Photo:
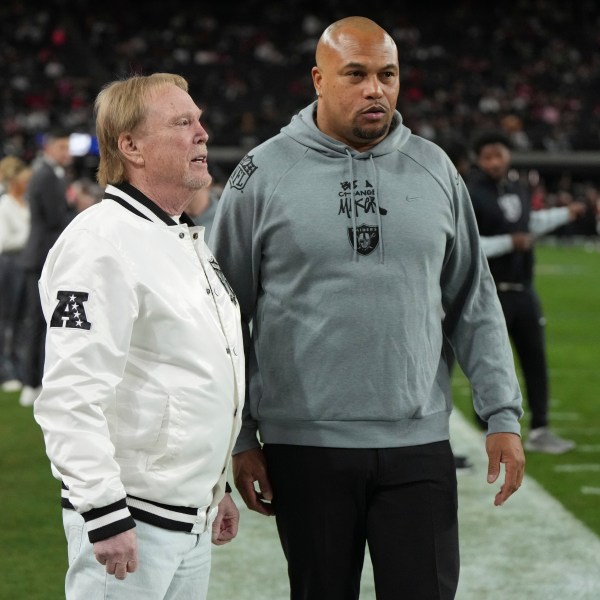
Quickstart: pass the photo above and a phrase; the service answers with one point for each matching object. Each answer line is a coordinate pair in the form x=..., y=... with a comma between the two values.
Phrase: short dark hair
x=55, y=133
x=455, y=148
x=487, y=137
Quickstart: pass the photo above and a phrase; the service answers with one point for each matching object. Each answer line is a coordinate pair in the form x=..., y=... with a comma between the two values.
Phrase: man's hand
x=505, y=448
x=248, y=467
x=225, y=526
x=118, y=553
x=522, y=241
x=577, y=209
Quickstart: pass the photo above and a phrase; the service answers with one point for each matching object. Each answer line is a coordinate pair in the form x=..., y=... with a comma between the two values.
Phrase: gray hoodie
x=361, y=275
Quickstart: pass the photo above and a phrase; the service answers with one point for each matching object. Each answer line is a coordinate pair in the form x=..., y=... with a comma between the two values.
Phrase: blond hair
x=119, y=107
x=12, y=169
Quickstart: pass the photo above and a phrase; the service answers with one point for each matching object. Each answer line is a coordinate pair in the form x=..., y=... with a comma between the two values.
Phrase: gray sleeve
x=496, y=245
x=546, y=220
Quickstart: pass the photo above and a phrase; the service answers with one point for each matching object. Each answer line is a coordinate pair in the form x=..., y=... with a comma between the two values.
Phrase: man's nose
x=201, y=134
x=373, y=87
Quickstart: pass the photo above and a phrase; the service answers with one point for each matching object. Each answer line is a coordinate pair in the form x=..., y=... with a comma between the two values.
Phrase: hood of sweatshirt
x=303, y=129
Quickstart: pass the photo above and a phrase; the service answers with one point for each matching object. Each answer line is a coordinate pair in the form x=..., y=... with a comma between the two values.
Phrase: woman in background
x=14, y=231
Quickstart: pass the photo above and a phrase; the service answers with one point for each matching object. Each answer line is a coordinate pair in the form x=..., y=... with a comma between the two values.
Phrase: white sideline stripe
x=531, y=548
x=588, y=447
x=590, y=490
x=560, y=269
x=564, y=416
x=591, y=431
x=594, y=467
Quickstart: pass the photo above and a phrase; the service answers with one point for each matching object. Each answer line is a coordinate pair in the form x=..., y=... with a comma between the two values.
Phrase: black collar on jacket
x=143, y=199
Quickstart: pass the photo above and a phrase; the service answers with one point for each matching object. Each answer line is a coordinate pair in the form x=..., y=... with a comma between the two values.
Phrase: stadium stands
x=531, y=67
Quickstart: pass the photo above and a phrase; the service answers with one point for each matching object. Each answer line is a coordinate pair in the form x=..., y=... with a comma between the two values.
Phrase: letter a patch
x=69, y=311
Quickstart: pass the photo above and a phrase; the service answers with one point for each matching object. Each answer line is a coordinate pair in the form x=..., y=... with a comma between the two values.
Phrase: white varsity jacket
x=144, y=376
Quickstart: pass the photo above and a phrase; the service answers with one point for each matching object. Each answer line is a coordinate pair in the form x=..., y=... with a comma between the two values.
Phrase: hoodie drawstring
x=353, y=208
x=377, y=211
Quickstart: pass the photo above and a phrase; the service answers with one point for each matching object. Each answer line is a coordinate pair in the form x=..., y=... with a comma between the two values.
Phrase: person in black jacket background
x=508, y=229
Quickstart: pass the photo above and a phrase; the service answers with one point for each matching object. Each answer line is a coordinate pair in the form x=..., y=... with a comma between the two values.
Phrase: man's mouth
x=375, y=110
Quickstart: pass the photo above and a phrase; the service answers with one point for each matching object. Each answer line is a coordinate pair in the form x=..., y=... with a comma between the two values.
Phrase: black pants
x=330, y=502
x=525, y=323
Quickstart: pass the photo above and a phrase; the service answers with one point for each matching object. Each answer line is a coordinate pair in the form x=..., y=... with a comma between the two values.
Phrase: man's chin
x=372, y=133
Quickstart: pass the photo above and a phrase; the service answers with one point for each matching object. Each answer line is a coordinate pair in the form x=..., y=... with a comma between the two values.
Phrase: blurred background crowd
x=532, y=66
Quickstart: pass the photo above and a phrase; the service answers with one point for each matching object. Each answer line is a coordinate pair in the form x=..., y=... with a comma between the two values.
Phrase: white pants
x=172, y=565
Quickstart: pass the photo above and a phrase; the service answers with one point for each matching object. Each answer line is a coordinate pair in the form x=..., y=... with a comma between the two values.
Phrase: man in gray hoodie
x=352, y=247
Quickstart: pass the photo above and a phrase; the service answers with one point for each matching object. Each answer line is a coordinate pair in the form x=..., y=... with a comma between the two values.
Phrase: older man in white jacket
x=144, y=375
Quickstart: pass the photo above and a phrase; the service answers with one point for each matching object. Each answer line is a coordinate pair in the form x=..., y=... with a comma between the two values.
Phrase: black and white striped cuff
x=107, y=521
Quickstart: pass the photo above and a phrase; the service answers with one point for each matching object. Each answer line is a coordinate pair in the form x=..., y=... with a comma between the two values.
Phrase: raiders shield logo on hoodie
x=367, y=238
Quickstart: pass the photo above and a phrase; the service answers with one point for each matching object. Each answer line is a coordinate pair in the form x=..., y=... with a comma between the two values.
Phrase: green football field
x=568, y=282
x=500, y=545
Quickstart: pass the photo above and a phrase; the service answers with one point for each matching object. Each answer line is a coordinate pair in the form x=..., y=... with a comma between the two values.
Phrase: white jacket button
x=195, y=236
x=182, y=235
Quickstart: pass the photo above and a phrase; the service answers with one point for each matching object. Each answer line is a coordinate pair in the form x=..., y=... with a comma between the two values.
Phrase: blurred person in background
x=589, y=224
x=203, y=207
x=50, y=214
x=83, y=193
x=509, y=228
x=14, y=232
x=457, y=150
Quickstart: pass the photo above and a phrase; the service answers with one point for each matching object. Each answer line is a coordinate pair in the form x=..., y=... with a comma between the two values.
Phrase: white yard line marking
x=581, y=431
x=549, y=269
x=590, y=491
x=580, y=468
x=588, y=447
x=564, y=416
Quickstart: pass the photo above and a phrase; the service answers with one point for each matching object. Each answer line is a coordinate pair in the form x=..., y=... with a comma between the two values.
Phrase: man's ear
x=129, y=149
x=317, y=77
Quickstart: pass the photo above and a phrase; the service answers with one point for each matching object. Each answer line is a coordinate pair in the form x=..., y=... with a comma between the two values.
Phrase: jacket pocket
x=144, y=419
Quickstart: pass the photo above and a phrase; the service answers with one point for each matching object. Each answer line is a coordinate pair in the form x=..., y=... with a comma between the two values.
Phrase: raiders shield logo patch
x=217, y=269
x=367, y=238
x=69, y=311
x=243, y=172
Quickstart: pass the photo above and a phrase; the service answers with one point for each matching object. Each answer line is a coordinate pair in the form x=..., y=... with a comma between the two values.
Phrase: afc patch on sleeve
x=69, y=311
